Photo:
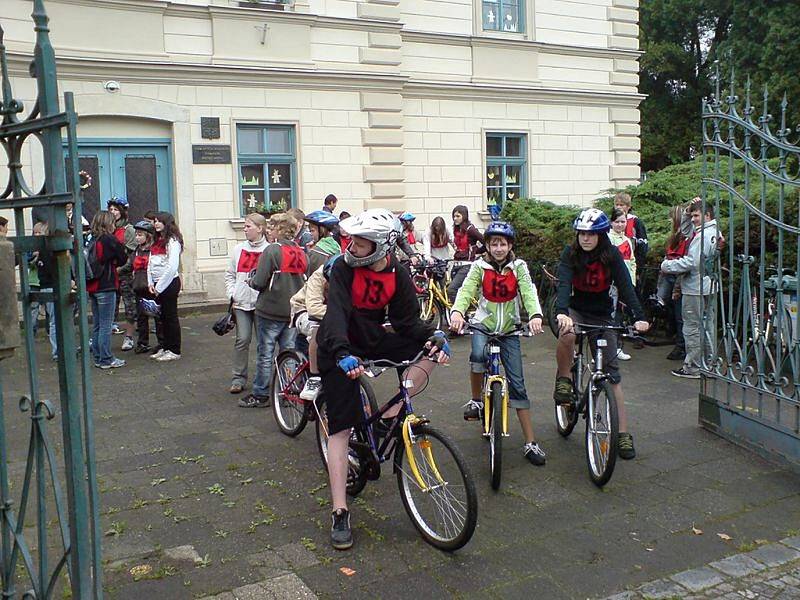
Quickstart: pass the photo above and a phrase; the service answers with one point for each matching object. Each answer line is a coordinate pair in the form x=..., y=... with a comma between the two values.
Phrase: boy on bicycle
x=500, y=282
x=587, y=270
x=365, y=287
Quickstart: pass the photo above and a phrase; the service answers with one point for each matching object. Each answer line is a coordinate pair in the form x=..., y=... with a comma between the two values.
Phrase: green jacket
x=502, y=314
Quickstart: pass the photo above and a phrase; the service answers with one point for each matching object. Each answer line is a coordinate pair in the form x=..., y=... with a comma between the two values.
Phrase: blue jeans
x=51, y=321
x=103, y=305
x=269, y=333
x=511, y=357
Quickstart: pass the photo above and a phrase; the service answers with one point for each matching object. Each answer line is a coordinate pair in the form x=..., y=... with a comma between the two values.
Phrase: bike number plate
x=494, y=349
x=602, y=343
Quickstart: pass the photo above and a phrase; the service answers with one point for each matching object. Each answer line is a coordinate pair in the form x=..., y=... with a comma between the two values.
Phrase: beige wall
x=390, y=99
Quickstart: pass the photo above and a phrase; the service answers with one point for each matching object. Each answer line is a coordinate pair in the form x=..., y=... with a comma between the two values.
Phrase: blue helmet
x=146, y=226
x=326, y=270
x=407, y=216
x=500, y=228
x=592, y=219
x=118, y=201
x=323, y=218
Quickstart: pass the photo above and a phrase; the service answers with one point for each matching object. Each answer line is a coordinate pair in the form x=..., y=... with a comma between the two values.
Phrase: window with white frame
x=267, y=167
x=503, y=15
x=506, y=166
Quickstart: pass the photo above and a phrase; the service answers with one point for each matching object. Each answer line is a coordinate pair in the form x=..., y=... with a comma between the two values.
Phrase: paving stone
x=253, y=591
x=186, y=553
x=623, y=596
x=738, y=565
x=288, y=587
x=792, y=542
x=660, y=589
x=698, y=579
x=774, y=555
x=297, y=555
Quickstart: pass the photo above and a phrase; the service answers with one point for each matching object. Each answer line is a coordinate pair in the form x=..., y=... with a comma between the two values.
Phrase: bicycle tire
x=457, y=520
x=605, y=412
x=356, y=472
x=550, y=313
x=430, y=311
x=496, y=434
x=290, y=414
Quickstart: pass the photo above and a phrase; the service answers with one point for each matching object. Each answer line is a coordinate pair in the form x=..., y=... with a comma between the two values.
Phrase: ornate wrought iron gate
x=751, y=386
x=26, y=563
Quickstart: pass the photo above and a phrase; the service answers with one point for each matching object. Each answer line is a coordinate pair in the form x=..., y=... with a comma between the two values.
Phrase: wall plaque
x=211, y=154
x=209, y=128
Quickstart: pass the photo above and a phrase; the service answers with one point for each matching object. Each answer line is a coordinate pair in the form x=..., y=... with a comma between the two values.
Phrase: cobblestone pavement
x=204, y=499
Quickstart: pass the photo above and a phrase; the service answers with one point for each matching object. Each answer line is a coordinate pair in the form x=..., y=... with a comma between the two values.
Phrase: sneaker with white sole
x=473, y=410
x=623, y=355
x=311, y=389
x=534, y=453
x=167, y=356
x=117, y=330
x=157, y=355
x=114, y=364
x=685, y=374
x=127, y=344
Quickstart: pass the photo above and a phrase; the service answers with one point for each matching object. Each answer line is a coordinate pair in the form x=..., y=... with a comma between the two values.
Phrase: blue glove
x=348, y=363
x=439, y=340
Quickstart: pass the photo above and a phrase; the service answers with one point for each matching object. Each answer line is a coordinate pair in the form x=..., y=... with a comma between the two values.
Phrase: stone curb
x=716, y=573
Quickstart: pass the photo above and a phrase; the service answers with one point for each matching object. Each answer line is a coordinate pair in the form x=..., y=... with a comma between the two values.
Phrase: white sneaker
x=158, y=354
x=127, y=344
x=622, y=355
x=168, y=355
x=311, y=389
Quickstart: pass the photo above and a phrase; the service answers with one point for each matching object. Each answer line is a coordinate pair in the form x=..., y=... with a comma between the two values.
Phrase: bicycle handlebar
x=519, y=330
x=628, y=332
x=379, y=365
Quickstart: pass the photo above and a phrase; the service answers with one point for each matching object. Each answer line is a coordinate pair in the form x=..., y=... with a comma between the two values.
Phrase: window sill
x=237, y=224
x=266, y=5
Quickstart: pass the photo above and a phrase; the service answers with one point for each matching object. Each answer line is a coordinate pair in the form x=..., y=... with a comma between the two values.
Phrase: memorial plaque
x=209, y=128
x=211, y=154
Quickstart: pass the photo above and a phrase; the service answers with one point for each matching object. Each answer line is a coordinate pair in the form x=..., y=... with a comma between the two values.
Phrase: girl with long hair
x=125, y=234
x=437, y=240
x=165, y=283
x=668, y=292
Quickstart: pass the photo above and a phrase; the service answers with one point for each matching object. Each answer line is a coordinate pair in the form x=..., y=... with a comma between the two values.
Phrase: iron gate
x=75, y=537
x=750, y=392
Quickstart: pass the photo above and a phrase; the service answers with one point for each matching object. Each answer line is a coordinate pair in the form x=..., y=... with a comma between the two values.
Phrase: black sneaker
x=625, y=447
x=534, y=454
x=253, y=401
x=685, y=374
x=341, y=534
x=563, y=393
x=473, y=410
x=142, y=349
x=676, y=354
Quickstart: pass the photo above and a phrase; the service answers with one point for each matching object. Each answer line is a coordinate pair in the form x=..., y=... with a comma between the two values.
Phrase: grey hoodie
x=689, y=264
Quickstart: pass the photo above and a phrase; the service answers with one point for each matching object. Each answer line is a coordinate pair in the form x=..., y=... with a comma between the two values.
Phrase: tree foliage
x=682, y=39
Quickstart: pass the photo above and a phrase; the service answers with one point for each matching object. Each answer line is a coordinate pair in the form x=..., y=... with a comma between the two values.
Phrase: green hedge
x=543, y=228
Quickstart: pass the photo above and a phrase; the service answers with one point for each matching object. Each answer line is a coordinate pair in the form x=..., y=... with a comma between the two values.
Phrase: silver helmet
x=377, y=225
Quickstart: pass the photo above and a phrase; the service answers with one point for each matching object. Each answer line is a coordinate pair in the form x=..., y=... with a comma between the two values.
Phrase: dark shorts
x=610, y=362
x=341, y=393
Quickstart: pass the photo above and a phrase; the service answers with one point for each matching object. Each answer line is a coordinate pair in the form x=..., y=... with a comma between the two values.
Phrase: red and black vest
x=595, y=278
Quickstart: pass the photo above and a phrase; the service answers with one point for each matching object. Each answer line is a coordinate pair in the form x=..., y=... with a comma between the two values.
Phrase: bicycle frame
x=492, y=375
x=304, y=366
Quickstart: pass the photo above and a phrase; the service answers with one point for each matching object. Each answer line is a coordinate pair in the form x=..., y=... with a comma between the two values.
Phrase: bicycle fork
x=409, y=440
x=487, y=404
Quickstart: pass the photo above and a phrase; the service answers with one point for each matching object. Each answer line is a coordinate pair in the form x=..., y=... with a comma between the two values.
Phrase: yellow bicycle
x=431, y=281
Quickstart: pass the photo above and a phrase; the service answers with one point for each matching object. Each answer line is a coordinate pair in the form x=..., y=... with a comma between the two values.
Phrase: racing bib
x=140, y=262
x=371, y=290
x=499, y=287
x=625, y=250
x=248, y=261
x=293, y=260
x=596, y=278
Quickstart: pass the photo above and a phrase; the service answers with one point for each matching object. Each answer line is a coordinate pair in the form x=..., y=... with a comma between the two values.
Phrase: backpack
x=91, y=262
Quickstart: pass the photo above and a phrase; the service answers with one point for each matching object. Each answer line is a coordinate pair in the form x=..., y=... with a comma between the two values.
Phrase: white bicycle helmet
x=592, y=219
x=377, y=225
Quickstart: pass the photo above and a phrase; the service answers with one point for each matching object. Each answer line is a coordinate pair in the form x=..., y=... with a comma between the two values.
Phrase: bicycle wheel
x=602, y=429
x=496, y=433
x=550, y=313
x=287, y=406
x=430, y=311
x=356, y=471
x=445, y=514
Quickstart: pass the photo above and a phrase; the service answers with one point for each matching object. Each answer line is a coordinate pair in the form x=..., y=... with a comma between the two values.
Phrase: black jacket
x=347, y=329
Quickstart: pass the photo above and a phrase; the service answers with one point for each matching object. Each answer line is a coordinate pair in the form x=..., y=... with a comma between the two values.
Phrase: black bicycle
x=435, y=483
x=594, y=399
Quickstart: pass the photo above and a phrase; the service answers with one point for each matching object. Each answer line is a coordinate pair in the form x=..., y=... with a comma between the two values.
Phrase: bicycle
x=594, y=399
x=430, y=283
x=495, y=400
x=435, y=484
x=291, y=412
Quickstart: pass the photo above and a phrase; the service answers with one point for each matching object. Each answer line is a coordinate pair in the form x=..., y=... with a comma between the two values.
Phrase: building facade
x=211, y=109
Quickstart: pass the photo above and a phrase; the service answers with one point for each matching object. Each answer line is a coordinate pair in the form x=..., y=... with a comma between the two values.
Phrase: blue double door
x=139, y=172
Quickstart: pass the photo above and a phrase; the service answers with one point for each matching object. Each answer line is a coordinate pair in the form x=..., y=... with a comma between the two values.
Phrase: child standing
x=625, y=246
x=137, y=265
x=42, y=265
x=126, y=236
x=635, y=231
x=500, y=282
x=165, y=284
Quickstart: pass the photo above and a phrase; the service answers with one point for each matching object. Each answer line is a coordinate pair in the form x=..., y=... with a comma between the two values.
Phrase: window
x=504, y=15
x=267, y=167
x=505, y=168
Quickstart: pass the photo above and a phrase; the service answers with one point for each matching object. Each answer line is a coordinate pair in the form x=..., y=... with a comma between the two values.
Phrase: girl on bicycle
x=501, y=283
x=468, y=243
x=587, y=270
